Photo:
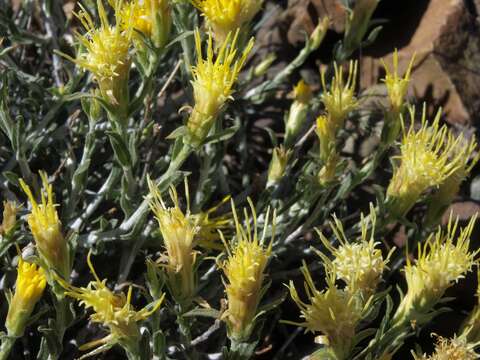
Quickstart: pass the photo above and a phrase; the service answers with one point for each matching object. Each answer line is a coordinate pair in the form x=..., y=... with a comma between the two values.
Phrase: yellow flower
x=359, y=264
x=114, y=311
x=428, y=157
x=450, y=187
x=451, y=349
x=298, y=112
x=339, y=100
x=278, y=164
x=178, y=231
x=212, y=83
x=397, y=86
x=151, y=17
x=333, y=312
x=225, y=16
x=9, y=217
x=47, y=229
x=245, y=272
x=441, y=261
x=31, y=282
x=106, y=53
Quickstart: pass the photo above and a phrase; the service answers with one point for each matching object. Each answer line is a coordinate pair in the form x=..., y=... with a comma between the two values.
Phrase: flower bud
x=9, y=217
x=298, y=112
x=319, y=33
x=278, y=164
x=263, y=67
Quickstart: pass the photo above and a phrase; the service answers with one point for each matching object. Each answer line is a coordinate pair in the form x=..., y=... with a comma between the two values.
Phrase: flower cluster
x=47, y=229
x=213, y=81
x=114, y=311
x=245, y=271
x=428, y=157
x=226, y=16
x=444, y=259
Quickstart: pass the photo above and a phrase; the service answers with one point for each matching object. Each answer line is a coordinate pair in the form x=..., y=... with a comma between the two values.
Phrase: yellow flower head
x=397, y=85
x=245, y=272
x=451, y=349
x=339, y=100
x=106, y=53
x=113, y=311
x=9, y=217
x=359, y=264
x=31, y=282
x=278, y=164
x=47, y=229
x=333, y=312
x=225, y=16
x=150, y=17
x=178, y=230
x=213, y=82
x=428, y=157
x=441, y=261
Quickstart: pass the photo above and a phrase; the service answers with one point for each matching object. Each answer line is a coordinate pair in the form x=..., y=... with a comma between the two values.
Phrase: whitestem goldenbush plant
x=98, y=124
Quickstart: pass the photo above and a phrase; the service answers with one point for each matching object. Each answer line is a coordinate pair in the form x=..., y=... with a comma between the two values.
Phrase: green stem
x=6, y=347
x=163, y=183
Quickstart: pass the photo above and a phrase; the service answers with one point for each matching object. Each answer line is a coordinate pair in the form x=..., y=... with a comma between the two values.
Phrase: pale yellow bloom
x=332, y=312
x=360, y=264
x=450, y=349
x=114, y=311
x=245, y=271
x=442, y=260
x=428, y=157
x=225, y=16
x=178, y=231
x=339, y=99
x=397, y=86
x=106, y=52
x=213, y=81
x=31, y=282
x=47, y=229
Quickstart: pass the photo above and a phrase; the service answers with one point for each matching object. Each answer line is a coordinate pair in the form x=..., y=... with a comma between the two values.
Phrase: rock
x=304, y=15
x=447, y=66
